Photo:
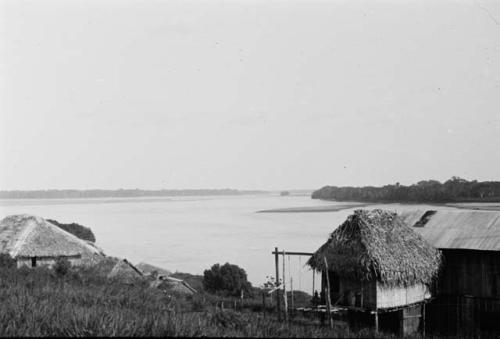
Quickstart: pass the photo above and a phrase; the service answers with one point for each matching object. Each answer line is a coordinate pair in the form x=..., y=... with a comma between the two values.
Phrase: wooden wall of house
x=403, y=322
x=468, y=294
x=470, y=272
x=349, y=292
x=372, y=295
x=394, y=296
x=450, y=315
x=46, y=261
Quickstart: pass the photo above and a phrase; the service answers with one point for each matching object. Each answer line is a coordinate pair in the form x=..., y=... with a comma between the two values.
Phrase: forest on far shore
x=120, y=193
x=453, y=190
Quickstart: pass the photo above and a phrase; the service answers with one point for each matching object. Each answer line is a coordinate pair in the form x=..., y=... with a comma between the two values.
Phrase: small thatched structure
x=378, y=245
x=379, y=269
x=148, y=269
x=33, y=241
x=162, y=280
x=125, y=272
x=173, y=285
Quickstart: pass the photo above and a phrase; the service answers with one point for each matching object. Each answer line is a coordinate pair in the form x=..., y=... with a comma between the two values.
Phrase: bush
x=229, y=320
x=62, y=266
x=6, y=261
x=77, y=230
x=229, y=279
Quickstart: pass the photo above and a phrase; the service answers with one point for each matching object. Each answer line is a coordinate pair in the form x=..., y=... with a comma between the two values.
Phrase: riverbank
x=475, y=206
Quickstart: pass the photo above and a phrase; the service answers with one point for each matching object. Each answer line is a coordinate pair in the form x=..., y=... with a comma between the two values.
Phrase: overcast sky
x=247, y=94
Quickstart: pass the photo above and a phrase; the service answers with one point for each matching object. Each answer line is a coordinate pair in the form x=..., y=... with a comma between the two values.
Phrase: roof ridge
x=24, y=235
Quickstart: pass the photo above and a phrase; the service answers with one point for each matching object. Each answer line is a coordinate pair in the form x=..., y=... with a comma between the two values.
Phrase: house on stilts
x=380, y=270
x=467, y=291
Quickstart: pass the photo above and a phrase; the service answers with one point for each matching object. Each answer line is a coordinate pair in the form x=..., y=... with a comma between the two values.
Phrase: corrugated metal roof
x=460, y=229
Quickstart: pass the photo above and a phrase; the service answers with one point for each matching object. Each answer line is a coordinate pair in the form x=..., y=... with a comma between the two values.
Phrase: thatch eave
x=377, y=246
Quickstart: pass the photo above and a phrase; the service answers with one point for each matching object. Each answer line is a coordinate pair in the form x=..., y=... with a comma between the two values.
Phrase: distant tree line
x=120, y=193
x=454, y=190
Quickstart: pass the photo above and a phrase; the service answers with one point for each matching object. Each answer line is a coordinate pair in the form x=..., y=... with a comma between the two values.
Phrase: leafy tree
x=229, y=279
x=78, y=230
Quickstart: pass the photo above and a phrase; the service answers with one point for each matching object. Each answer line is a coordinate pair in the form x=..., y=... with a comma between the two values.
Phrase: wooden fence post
x=284, y=289
x=264, y=304
x=276, y=261
x=328, y=300
x=423, y=320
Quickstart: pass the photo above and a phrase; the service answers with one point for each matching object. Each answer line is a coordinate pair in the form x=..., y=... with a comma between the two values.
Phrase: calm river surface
x=189, y=234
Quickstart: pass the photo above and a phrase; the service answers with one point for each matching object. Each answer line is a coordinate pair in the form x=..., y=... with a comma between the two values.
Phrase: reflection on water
x=189, y=234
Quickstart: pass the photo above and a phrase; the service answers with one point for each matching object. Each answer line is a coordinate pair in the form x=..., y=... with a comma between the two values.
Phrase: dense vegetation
x=121, y=193
x=454, y=190
x=78, y=230
x=229, y=279
x=81, y=302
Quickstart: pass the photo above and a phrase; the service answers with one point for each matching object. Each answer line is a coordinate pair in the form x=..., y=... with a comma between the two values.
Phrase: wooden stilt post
x=291, y=285
x=313, y=282
x=284, y=289
x=423, y=320
x=376, y=321
x=276, y=261
x=328, y=295
x=264, y=304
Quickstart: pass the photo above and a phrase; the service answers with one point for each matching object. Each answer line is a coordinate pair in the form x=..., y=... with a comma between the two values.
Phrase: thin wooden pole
x=376, y=321
x=276, y=261
x=264, y=304
x=291, y=282
x=328, y=300
x=284, y=289
x=313, y=282
x=423, y=320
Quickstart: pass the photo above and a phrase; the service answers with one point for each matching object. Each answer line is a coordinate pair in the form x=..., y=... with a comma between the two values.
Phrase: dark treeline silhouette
x=454, y=190
x=121, y=193
x=77, y=230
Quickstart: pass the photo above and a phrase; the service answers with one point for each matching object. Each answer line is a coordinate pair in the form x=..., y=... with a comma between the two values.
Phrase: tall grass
x=39, y=302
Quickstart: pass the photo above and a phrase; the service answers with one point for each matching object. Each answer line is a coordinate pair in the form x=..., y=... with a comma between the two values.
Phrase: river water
x=189, y=234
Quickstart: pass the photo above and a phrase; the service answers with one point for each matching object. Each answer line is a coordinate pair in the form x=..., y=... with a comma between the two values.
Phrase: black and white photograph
x=250, y=168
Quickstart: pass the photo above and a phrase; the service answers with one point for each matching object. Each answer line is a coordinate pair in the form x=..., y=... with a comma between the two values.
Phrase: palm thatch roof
x=125, y=272
x=170, y=284
x=31, y=236
x=378, y=245
x=146, y=269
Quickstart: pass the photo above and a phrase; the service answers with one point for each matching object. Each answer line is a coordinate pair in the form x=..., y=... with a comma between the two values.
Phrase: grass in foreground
x=40, y=302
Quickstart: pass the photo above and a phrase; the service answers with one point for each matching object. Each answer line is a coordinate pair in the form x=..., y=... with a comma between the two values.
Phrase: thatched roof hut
x=378, y=246
x=148, y=269
x=124, y=271
x=31, y=240
x=171, y=284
